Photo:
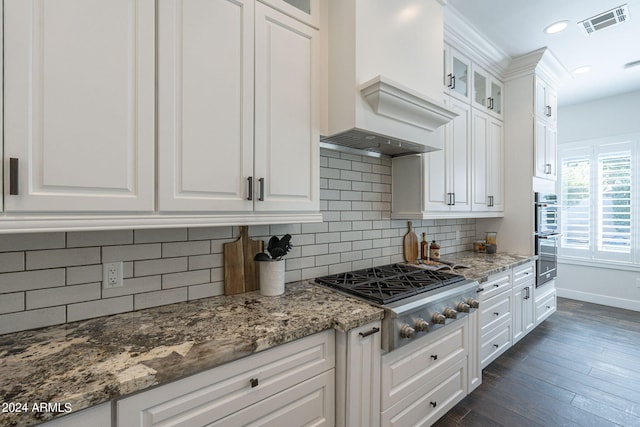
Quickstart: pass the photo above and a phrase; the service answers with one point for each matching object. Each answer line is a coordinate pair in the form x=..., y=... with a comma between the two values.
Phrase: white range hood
x=384, y=71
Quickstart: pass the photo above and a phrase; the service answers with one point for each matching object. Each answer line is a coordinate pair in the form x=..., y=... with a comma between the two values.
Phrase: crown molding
x=460, y=33
x=541, y=61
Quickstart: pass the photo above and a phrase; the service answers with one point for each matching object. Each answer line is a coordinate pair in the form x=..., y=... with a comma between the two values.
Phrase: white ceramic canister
x=271, y=275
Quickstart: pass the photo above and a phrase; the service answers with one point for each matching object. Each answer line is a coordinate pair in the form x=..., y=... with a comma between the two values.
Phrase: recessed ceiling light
x=632, y=66
x=556, y=27
x=582, y=69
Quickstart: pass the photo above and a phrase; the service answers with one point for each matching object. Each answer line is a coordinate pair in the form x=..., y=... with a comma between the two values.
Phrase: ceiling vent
x=604, y=20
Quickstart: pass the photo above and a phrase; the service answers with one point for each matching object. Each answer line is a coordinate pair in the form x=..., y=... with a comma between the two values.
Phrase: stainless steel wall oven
x=546, y=236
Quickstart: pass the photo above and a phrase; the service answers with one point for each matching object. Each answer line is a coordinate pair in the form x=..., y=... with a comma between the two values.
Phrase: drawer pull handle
x=496, y=345
x=13, y=176
x=253, y=382
x=434, y=404
x=371, y=332
x=548, y=307
x=497, y=285
x=250, y=192
x=434, y=356
x=496, y=314
x=479, y=290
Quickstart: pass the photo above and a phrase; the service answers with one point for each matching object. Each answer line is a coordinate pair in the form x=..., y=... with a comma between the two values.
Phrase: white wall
x=602, y=118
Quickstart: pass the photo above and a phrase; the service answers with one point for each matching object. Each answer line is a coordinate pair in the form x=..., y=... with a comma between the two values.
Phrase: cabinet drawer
x=494, y=311
x=410, y=367
x=309, y=403
x=219, y=392
x=545, y=307
x=495, y=343
x=496, y=284
x=430, y=402
x=523, y=273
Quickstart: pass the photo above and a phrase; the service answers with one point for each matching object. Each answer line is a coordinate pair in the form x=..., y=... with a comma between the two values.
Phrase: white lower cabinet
x=546, y=301
x=524, y=319
x=423, y=380
x=474, y=372
x=495, y=317
x=358, y=376
x=292, y=384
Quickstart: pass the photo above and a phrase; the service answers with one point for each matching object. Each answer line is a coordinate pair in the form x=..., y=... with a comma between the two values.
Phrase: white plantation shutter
x=614, y=204
x=575, y=210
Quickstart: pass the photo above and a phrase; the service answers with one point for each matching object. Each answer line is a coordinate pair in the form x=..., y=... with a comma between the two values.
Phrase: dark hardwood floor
x=581, y=367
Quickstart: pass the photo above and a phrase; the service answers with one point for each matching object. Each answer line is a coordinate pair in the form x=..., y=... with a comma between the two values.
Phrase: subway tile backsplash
x=53, y=278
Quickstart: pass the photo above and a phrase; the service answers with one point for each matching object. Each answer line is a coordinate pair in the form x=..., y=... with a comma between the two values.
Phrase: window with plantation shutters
x=599, y=198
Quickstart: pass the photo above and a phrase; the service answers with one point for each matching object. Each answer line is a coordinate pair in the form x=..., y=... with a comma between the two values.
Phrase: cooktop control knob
x=450, y=313
x=421, y=325
x=473, y=303
x=406, y=331
x=463, y=307
x=438, y=318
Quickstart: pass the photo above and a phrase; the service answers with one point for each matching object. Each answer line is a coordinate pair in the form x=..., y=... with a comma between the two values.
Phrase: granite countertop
x=482, y=265
x=90, y=362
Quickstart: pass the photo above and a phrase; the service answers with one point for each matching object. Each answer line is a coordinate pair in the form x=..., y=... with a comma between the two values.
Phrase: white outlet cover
x=112, y=273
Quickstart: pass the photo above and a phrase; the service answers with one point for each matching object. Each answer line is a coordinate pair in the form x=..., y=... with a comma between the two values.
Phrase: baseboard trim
x=599, y=299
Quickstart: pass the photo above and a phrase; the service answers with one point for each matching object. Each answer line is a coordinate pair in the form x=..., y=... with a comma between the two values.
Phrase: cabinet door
x=287, y=153
x=79, y=81
x=545, y=150
x=496, y=89
x=458, y=151
x=457, y=75
x=205, y=105
x=519, y=303
x=480, y=88
x=495, y=166
x=551, y=151
x=480, y=194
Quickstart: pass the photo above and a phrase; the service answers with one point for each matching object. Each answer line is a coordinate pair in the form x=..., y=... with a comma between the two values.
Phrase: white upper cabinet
x=448, y=181
x=239, y=134
x=79, y=105
x=488, y=163
x=457, y=74
x=487, y=92
x=287, y=138
x=205, y=105
x=546, y=101
x=545, y=139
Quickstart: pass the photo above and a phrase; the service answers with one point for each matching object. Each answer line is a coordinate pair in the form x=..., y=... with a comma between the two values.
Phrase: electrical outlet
x=112, y=275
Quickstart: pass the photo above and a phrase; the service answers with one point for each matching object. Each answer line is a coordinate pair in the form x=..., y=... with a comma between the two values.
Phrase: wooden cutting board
x=240, y=273
x=410, y=245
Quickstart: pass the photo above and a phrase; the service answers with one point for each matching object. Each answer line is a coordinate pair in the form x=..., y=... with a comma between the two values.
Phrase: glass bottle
x=424, y=247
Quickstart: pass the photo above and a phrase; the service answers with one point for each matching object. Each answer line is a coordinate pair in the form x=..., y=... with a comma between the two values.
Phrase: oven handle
x=371, y=332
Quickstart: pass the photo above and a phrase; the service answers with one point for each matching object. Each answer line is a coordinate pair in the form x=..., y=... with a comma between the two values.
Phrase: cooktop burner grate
x=389, y=283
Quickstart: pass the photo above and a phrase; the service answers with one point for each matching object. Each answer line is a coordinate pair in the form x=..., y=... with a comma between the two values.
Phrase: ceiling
x=516, y=26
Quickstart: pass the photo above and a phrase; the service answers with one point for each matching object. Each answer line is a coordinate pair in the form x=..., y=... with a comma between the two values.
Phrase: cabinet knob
x=433, y=404
x=496, y=314
x=496, y=345
x=434, y=357
x=253, y=382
